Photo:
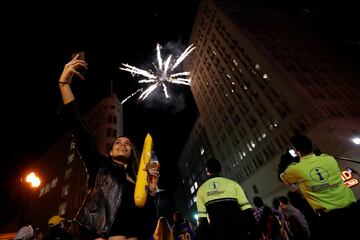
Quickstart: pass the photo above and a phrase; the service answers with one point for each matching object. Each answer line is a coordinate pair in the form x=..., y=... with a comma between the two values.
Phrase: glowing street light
x=356, y=140
x=33, y=180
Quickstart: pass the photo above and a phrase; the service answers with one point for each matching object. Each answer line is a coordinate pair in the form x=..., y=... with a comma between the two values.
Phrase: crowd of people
x=56, y=230
x=318, y=206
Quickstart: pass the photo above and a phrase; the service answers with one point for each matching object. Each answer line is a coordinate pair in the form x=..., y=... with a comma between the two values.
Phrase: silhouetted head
x=276, y=203
x=178, y=217
x=284, y=200
x=213, y=166
x=258, y=202
x=302, y=144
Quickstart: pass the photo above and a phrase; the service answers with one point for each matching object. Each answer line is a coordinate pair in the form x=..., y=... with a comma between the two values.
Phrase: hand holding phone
x=80, y=57
x=293, y=152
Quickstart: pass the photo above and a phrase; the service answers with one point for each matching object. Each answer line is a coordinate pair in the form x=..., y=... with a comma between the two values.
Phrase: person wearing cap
x=56, y=229
x=223, y=207
x=319, y=180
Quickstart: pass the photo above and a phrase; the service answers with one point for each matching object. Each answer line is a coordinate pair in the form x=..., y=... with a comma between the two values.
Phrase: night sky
x=39, y=43
x=37, y=40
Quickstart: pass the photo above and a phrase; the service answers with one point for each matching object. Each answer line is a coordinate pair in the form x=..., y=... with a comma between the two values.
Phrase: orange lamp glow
x=33, y=180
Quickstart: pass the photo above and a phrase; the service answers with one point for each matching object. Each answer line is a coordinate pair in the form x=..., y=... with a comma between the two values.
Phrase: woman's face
x=122, y=148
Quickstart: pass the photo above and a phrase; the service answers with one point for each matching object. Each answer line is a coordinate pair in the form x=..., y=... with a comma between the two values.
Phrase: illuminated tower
x=260, y=75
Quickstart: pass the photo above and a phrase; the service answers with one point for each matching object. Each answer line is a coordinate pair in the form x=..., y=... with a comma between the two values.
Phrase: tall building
x=261, y=75
x=191, y=169
x=63, y=175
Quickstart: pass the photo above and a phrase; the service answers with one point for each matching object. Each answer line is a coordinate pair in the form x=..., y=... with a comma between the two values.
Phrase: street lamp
x=34, y=182
x=356, y=140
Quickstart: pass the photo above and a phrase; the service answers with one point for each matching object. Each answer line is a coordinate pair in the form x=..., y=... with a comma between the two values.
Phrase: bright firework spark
x=164, y=73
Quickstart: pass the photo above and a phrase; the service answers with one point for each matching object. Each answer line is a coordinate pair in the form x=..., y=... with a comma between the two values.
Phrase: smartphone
x=81, y=55
x=292, y=152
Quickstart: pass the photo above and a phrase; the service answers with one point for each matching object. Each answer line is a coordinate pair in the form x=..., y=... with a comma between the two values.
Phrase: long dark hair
x=163, y=230
x=134, y=161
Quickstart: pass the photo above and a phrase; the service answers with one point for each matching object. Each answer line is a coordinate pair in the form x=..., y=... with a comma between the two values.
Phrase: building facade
x=191, y=169
x=64, y=177
x=261, y=75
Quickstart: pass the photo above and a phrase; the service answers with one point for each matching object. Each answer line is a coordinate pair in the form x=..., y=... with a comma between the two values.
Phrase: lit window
x=42, y=191
x=70, y=158
x=65, y=191
x=248, y=146
x=202, y=151
x=192, y=190
x=47, y=188
x=195, y=185
x=68, y=173
x=194, y=199
x=54, y=183
x=62, y=209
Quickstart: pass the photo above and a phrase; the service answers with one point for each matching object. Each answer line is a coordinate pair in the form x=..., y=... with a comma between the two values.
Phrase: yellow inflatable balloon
x=140, y=193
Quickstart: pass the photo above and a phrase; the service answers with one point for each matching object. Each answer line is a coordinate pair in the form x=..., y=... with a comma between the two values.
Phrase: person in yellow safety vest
x=319, y=180
x=223, y=202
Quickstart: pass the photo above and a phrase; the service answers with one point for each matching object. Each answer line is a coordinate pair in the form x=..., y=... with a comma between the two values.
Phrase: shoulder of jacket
x=325, y=155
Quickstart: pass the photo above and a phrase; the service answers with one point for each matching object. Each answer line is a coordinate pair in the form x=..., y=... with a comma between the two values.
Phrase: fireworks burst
x=163, y=73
